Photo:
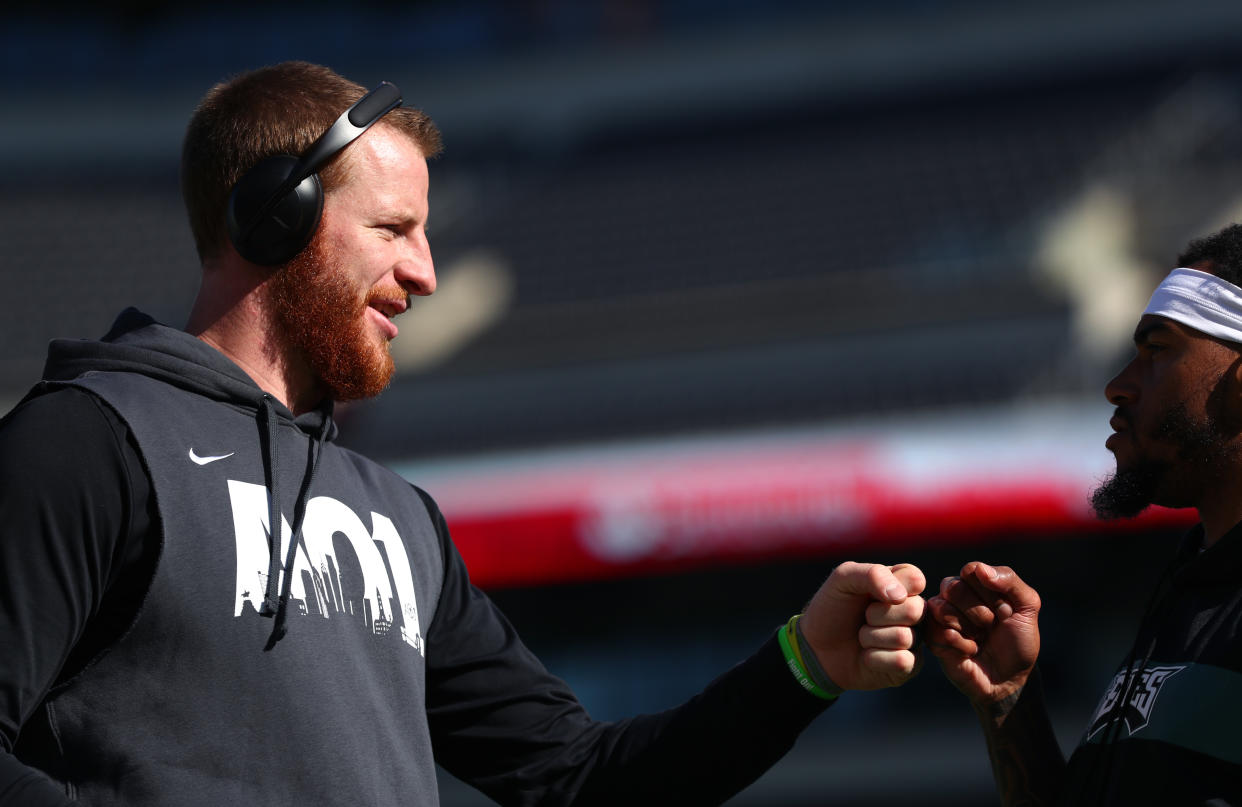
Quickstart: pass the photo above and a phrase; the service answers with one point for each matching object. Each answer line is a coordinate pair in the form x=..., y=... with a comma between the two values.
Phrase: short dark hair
x=280, y=109
x=1221, y=254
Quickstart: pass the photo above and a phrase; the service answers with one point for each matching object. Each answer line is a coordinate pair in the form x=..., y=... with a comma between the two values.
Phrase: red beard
x=323, y=316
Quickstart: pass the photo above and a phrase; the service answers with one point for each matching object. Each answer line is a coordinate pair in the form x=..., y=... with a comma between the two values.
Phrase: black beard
x=1201, y=450
x=1127, y=493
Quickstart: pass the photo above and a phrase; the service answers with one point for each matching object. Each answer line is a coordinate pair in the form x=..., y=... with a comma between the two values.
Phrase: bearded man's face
x=323, y=312
x=1176, y=419
x=333, y=304
x=1199, y=449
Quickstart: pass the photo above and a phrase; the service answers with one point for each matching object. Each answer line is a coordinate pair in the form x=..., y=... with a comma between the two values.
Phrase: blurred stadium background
x=730, y=292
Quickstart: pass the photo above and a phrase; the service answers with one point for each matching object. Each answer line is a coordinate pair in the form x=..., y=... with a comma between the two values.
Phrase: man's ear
x=1224, y=403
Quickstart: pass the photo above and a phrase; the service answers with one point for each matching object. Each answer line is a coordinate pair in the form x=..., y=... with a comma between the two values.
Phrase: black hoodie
x=163, y=657
x=1168, y=729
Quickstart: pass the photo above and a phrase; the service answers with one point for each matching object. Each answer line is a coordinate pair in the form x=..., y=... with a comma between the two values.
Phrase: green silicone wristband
x=810, y=662
x=791, y=660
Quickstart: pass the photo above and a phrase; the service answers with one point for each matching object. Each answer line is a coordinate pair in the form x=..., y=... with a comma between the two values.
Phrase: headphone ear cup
x=287, y=227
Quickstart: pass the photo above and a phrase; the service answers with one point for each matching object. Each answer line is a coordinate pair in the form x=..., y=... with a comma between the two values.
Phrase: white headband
x=1200, y=301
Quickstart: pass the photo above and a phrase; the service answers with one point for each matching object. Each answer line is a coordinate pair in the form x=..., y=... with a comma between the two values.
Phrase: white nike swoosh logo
x=197, y=460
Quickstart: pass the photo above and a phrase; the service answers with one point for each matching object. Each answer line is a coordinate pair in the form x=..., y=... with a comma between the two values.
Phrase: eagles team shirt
x=1167, y=728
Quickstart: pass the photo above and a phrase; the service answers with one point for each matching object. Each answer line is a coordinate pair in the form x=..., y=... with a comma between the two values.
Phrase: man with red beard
x=1165, y=731
x=205, y=600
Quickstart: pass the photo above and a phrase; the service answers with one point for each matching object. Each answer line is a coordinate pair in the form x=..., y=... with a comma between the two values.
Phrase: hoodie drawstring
x=1135, y=663
x=276, y=603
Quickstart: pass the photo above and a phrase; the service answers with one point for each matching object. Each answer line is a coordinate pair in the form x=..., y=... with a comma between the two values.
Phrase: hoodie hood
x=347, y=563
x=136, y=343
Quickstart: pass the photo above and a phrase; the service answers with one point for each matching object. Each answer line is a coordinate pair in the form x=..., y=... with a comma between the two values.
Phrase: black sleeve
x=501, y=722
x=71, y=559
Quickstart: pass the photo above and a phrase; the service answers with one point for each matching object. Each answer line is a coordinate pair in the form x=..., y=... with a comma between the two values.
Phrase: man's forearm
x=1026, y=760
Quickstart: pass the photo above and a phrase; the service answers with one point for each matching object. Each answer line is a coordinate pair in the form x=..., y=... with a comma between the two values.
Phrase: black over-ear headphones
x=274, y=209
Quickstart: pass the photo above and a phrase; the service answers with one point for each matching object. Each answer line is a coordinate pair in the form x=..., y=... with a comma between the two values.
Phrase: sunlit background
x=729, y=292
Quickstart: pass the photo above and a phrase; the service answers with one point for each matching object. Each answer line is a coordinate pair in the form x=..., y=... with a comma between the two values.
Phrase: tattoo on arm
x=1026, y=760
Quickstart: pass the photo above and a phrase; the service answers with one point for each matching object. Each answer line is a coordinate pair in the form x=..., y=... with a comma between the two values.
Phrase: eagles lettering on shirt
x=1135, y=713
x=1173, y=739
